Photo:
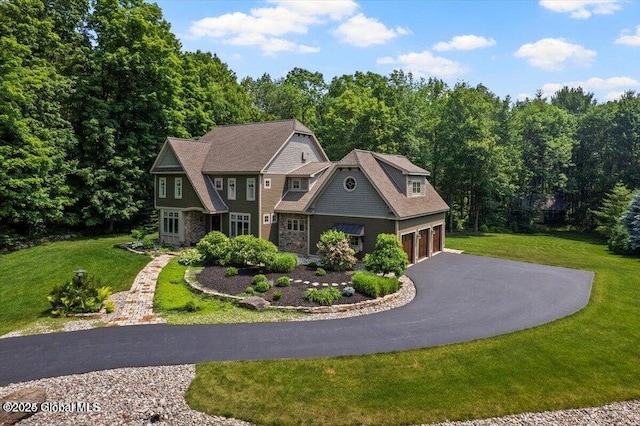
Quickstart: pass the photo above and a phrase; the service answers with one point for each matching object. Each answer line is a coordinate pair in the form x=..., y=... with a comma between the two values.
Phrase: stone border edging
x=405, y=282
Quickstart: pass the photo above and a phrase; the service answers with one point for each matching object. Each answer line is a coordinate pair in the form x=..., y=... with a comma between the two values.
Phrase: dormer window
x=349, y=183
x=295, y=184
x=416, y=187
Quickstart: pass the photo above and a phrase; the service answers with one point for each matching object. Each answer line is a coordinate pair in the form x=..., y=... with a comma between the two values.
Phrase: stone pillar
x=194, y=227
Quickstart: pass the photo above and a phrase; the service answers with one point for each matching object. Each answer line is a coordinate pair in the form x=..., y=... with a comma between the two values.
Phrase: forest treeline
x=90, y=90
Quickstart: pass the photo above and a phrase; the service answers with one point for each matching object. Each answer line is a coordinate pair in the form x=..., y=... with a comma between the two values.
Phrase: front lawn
x=175, y=300
x=27, y=276
x=588, y=359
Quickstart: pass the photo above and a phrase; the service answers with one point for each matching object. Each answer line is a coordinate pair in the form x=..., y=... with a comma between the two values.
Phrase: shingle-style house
x=273, y=180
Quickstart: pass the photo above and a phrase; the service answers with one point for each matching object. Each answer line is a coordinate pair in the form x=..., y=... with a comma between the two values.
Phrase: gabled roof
x=247, y=147
x=401, y=205
x=191, y=155
x=298, y=201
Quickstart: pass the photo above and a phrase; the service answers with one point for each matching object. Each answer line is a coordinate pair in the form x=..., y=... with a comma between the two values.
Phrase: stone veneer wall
x=194, y=227
x=293, y=241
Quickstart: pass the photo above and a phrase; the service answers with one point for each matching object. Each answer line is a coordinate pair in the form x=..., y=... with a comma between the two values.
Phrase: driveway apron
x=458, y=298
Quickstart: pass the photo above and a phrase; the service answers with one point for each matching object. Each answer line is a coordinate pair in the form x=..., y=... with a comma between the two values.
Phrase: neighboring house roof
x=247, y=147
x=298, y=201
x=309, y=170
x=402, y=206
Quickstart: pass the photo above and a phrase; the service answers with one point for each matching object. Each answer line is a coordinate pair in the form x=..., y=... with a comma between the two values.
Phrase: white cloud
x=595, y=84
x=612, y=96
x=424, y=64
x=464, y=42
x=335, y=9
x=265, y=26
x=583, y=9
x=361, y=31
x=629, y=39
x=551, y=54
x=524, y=96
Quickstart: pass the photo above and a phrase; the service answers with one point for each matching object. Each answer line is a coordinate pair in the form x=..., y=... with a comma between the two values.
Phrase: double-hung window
x=231, y=188
x=170, y=222
x=162, y=187
x=251, y=189
x=239, y=224
x=178, y=188
x=218, y=183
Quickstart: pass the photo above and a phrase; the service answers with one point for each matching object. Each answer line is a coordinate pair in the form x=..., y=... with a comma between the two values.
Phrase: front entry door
x=407, y=245
x=170, y=227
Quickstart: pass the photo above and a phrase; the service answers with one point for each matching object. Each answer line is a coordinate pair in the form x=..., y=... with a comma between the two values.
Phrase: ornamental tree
x=387, y=256
x=335, y=252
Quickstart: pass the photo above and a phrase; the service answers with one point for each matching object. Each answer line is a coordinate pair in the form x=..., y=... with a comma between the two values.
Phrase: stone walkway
x=138, y=307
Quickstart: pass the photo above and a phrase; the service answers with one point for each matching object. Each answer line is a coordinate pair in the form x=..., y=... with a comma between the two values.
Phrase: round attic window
x=349, y=183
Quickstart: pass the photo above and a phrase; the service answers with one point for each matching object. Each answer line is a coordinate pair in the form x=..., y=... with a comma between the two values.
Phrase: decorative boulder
x=254, y=302
x=28, y=395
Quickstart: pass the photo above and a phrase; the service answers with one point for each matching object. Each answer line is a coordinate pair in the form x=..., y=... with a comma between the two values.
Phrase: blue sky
x=513, y=47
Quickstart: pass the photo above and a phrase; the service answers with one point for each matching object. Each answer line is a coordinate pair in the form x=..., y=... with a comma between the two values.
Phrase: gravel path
x=155, y=395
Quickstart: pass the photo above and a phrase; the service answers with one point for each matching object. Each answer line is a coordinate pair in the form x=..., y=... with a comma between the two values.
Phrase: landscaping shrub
x=77, y=296
x=149, y=243
x=348, y=291
x=247, y=249
x=619, y=242
x=109, y=306
x=284, y=263
x=263, y=286
x=283, y=282
x=258, y=278
x=335, y=252
x=321, y=272
x=312, y=264
x=138, y=234
x=215, y=247
x=190, y=306
x=277, y=295
x=250, y=290
x=231, y=271
x=190, y=256
x=387, y=256
x=324, y=297
x=374, y=285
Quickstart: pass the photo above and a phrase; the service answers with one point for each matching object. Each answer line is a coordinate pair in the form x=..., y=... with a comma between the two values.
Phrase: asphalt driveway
x=459, y=298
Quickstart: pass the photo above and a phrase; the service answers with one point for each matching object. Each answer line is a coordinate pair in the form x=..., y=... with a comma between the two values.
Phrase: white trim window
x=178, y=188
x=239, y=224
x=267, y=183
x=162, y=187
x=274, y=218
x=251, y=189
x=295, y=184
x=296, y=224
x=231, y=188
x=170, y=221
x=415, y=187
x=266, y=219
x=218, y=183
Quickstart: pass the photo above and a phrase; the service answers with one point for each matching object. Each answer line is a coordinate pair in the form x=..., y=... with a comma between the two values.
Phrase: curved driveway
x=459, y=298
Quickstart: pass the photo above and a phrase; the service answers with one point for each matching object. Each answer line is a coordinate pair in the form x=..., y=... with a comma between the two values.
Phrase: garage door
x=437, y=238
x=423, y=244
x=407, y=245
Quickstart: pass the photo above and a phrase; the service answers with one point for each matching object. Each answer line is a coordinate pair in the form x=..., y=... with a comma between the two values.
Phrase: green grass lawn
x=588, y=359
x=172, y=294
x=27, y=276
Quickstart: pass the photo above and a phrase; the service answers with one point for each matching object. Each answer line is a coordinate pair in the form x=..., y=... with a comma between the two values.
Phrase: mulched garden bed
x=213, y=277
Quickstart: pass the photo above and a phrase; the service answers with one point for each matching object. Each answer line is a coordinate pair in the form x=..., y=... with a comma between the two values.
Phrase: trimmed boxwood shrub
x=231, y=271
x=263, y=286
x=283, y=282
x=324, y=297
x=374, y=285
x=284, y=263
x=250, y=290
x=247, y=249
x=258, y=278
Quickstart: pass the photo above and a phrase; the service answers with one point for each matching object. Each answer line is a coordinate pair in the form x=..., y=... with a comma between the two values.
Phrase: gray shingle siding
x=290, y=157
x=169, y=159
x=363, y=201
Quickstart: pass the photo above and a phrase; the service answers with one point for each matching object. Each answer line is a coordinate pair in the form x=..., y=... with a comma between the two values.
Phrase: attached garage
x=436, y=245
x=407, y=245
x=423, y=244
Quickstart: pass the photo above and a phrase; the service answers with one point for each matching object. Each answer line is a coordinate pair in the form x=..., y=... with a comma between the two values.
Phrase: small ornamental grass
x=324, y=297
x=283, y=282
x=374, y=285
x=231, y=271
x=284, y=263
